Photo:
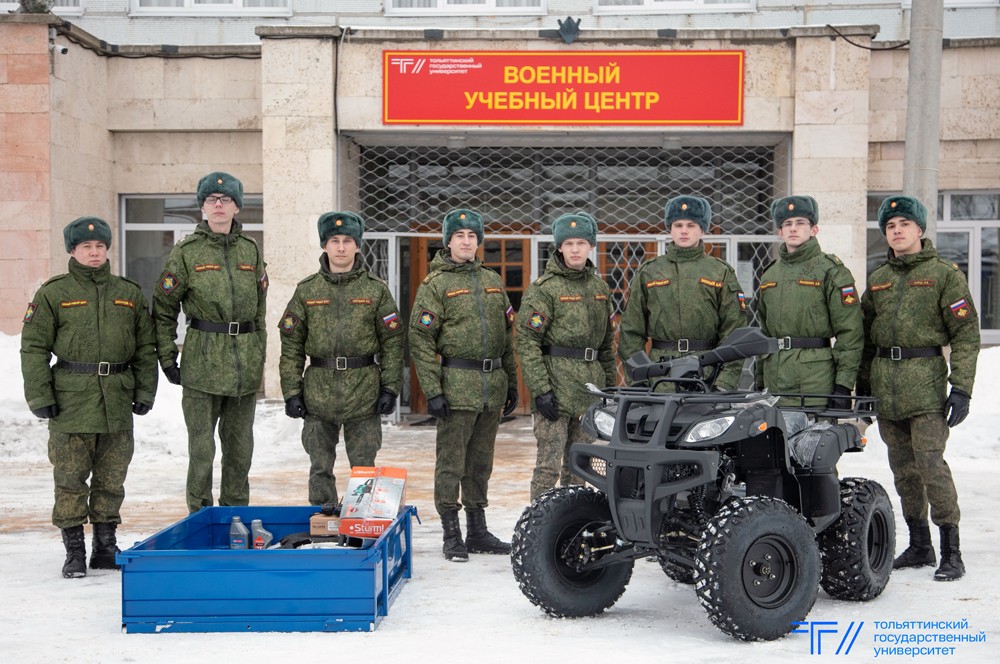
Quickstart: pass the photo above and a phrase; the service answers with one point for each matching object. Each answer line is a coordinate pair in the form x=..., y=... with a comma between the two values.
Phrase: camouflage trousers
x=103, y=458
x=465, y=442
x=922, y=476
x=362, y=440
x=552, y=463
x=234, y=416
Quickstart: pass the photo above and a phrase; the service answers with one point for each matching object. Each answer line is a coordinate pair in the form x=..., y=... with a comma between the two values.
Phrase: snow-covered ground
x=469, y=612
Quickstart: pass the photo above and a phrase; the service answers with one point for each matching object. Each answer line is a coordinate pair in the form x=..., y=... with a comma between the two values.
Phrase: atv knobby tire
x=545, y=578
x=857, y=548
x=758, y=568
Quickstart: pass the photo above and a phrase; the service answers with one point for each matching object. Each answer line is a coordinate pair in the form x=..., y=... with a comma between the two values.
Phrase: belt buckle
x=895, y=353
x=340, y=363
x=234, y=328
x=103, y=368
x=589, y=354
x=683, y=345
x=784, y=343
x=487, y=365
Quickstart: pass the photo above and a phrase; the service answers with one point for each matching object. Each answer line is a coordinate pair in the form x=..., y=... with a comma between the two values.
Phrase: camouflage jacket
x=810, y=294
x=568, y=308
x=684, y=294
x=462, y=311
x=219, y=278
x=350, y=314
x=913, y=301
x=92, y=316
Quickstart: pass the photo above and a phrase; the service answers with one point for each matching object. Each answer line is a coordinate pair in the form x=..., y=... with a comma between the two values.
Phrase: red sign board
x=556, y=88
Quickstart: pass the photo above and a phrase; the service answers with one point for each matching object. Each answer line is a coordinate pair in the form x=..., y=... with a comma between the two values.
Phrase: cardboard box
x=324, y=525
x=185, y=578
x=372, y=500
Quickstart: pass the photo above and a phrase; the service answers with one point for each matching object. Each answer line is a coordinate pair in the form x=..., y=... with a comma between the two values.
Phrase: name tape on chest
x=657, y=283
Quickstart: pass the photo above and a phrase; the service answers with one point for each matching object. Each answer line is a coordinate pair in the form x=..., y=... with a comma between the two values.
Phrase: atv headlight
x=709, y=429
x=604, y=422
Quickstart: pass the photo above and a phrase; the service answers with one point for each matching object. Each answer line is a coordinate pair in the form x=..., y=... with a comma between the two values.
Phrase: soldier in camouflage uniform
x=98, y=327
x=461, y=313
x=345, y=320
x=217, y=275
x=806, y=299
x=685, y=301
x=914, y=305
x=564, y=340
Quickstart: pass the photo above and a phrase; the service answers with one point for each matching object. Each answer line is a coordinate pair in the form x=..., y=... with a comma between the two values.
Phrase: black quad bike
x=728, y=490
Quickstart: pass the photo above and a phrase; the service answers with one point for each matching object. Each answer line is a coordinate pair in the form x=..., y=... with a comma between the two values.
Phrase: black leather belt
x=897, y=353
x=99, y=368
x=343, y=363
x=792, y=343
x=231, y=329
x=683, y=345
x=585, y=354
x=485, y=366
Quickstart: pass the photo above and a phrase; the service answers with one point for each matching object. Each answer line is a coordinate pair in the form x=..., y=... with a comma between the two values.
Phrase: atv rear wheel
x=550, y=537
x=758, y=568
x=857, y=548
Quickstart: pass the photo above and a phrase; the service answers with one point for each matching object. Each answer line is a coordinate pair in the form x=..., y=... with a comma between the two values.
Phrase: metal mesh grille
x=520, y=190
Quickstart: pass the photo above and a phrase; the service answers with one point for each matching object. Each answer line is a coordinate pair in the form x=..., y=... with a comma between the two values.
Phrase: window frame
x=223, y=8
x=442, y=9
x=686, y=7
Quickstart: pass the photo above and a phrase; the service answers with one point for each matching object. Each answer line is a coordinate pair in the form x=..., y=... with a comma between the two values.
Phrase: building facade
x=99, y=116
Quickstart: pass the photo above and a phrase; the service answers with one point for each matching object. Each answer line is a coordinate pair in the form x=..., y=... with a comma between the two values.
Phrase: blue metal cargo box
x=186, y=579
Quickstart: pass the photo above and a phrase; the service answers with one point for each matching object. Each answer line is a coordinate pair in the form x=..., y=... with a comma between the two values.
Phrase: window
x=154, y=224
x=675, y=6
x=968, y=230
x=212, y=7
x=460, y=7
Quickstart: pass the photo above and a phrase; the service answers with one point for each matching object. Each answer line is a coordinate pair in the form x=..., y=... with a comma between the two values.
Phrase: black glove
x=386, y=403
x=548, y=406
x=438, y=407
x=173, y=374
x=295, y=406
x=140, y=408
x=840, y=404
x=45, y=412
x=511, y=403
x=957, y=407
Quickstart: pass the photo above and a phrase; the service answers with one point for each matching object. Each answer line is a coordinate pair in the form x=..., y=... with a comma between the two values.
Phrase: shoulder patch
x=168, y=283
x=742, y=299
x=848, y=296
x=960, y=309
x=535, y=322
x=288, y=323
x=391, y=321
x=29, y=314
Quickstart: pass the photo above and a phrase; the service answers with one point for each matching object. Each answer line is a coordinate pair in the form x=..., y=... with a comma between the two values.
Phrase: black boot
x=952, y=567
x=920, y=553
x=104, y=547
x=454, y=548
x=76, y=553
x=479, y=539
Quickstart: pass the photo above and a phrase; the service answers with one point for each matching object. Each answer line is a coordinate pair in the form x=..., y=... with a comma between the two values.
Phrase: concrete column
x=299, y=152
x=830, y=140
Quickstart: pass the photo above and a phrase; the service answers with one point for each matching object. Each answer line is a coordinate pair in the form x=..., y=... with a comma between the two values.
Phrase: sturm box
x=185, y=578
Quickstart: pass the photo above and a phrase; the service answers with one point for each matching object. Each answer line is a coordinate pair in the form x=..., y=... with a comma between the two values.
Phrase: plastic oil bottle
x=239, y=537
x=260, y=538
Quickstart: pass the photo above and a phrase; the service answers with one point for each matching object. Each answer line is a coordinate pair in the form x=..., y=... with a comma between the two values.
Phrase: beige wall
x=72, y=139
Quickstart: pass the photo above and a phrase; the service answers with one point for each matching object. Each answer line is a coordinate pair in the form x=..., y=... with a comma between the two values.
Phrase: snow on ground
x=467, y=612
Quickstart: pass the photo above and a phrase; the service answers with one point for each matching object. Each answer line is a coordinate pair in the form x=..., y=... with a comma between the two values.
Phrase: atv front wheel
x=554, y=537
x=857, y=548
x=758, y=568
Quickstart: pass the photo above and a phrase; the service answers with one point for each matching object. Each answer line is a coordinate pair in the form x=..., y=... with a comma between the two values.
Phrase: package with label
x=372, y=500
x=321, y=525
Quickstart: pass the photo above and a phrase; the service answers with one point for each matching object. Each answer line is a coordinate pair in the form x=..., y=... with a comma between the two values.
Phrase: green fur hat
x=462, y=218
x=220, y=183
x=577, y=224
x=902, y=206
x=795, y=206
x=340, y=223
x=84, y=229
x=692, y=208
